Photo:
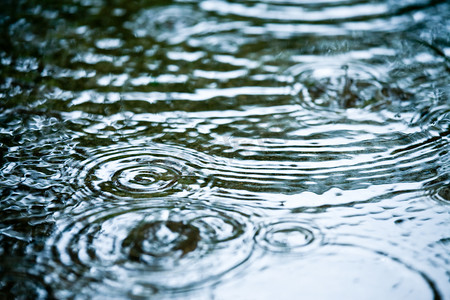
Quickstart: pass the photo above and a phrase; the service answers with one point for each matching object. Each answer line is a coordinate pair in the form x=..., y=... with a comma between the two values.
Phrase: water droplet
x=332, y=85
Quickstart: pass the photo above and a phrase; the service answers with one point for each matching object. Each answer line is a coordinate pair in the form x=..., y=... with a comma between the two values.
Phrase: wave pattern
x=164, y=246
x=137, y=172
x=221, y=149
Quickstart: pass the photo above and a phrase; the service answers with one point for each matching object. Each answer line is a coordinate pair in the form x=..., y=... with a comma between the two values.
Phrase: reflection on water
x=227, y=149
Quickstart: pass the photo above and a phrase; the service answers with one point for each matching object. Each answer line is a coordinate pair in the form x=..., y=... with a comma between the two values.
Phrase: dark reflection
x=17, y=283
x=444, y=193
x=172, y=150
x=22, y=240
x=145, y=246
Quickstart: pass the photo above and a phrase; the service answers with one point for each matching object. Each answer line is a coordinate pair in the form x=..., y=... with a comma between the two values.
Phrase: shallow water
x=276, y=149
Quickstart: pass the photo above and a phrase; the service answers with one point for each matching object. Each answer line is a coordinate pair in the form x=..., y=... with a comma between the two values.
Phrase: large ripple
x=330, y=157
x=335, y=272
x=142, y=249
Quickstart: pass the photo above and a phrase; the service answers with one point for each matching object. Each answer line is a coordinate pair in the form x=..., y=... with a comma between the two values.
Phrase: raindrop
x=337, y=86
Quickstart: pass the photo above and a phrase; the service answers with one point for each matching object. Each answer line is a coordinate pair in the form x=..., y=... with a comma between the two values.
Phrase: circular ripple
x=152, y=176
x=142, y=248
x=334, y=272
x=289, y=236
x=137, y=172
x=338, y=85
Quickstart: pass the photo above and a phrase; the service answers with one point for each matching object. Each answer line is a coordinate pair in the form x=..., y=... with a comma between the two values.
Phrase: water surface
x=223, y=149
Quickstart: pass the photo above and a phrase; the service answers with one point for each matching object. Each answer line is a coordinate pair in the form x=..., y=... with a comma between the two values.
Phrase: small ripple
x=167, y=246
x=333, y=85
x=137, y=172
x=20, y=283
x=289, y=236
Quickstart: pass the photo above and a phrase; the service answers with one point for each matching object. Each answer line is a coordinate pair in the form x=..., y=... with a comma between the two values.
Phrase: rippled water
x=220, y=149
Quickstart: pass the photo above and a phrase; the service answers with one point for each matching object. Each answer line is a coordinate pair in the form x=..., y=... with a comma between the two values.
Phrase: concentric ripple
x=150, y=248
x=289, y=236
x=335, y=85
x=153, y=176
x=137, y=172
